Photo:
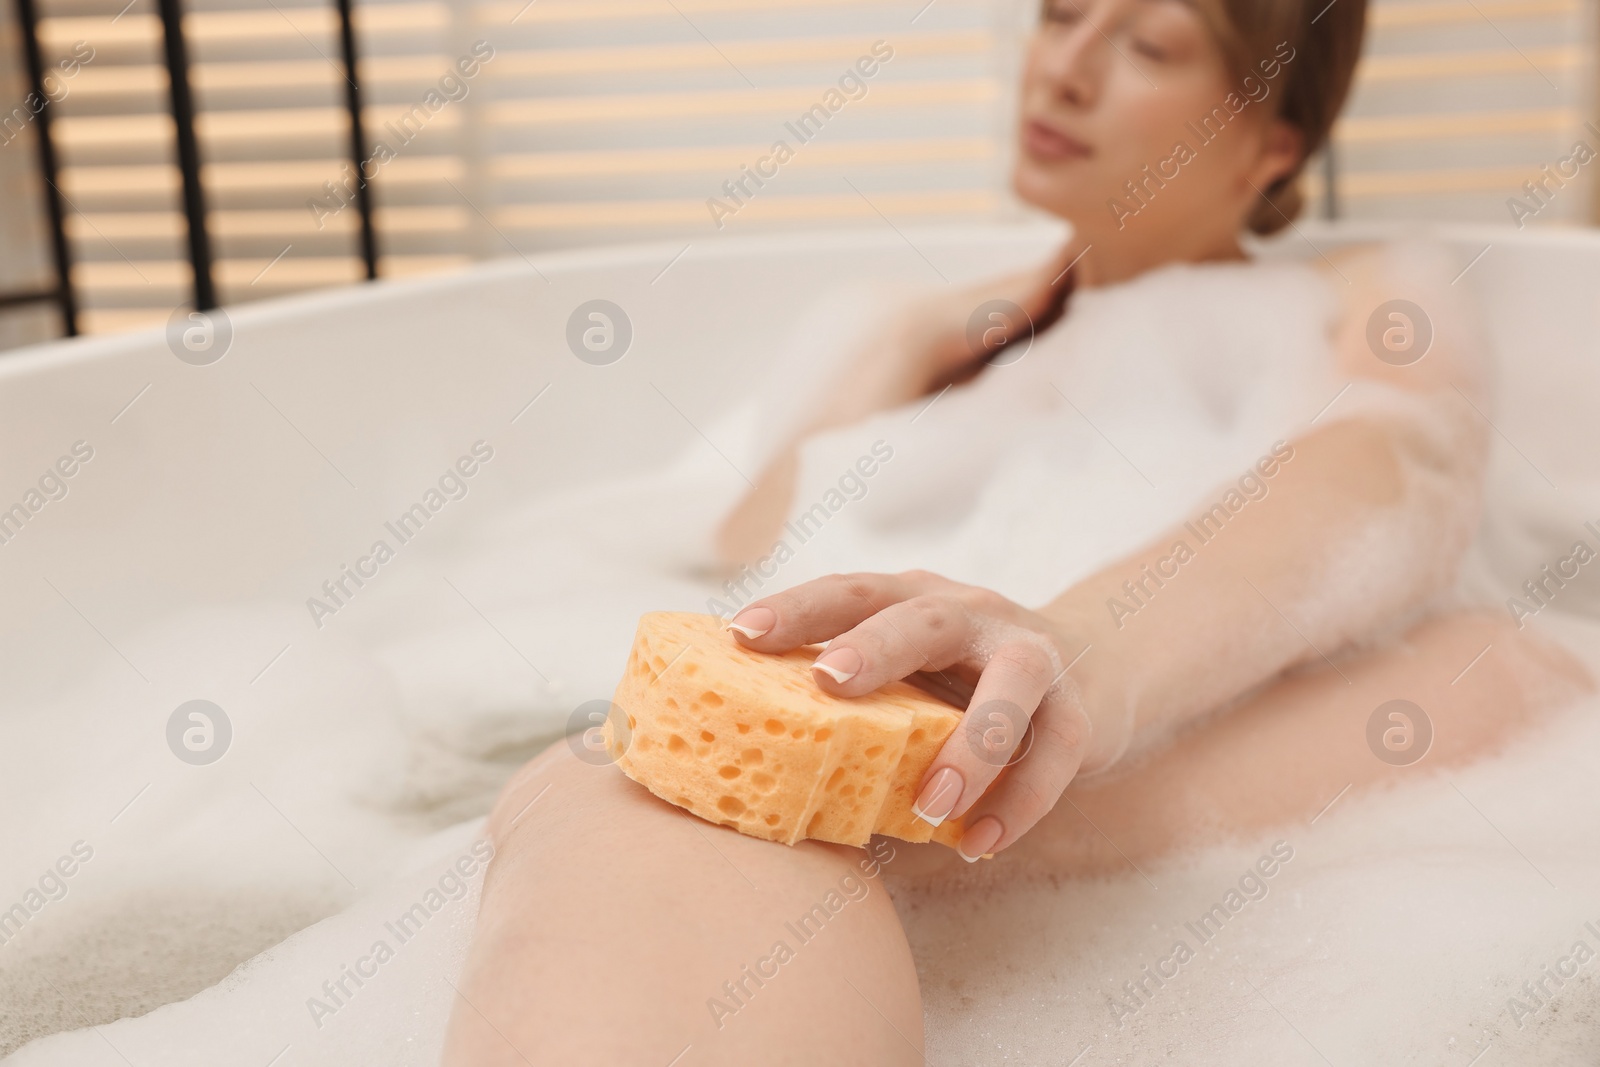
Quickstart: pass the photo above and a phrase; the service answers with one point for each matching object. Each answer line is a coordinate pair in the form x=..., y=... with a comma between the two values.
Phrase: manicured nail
x=753, y=622
x=980, y=838
x=841, y=664
x=938, y=797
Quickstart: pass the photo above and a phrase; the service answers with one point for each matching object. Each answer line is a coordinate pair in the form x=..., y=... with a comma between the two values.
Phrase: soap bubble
x=998, y=732
x=1001, y=330
x=599, y=332
x=198, y=732
x=199, y=338
x=598, y=732
x=1399, y=333
x=1399, y=733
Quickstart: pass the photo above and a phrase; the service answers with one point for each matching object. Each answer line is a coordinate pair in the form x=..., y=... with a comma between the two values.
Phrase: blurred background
x=520, y=126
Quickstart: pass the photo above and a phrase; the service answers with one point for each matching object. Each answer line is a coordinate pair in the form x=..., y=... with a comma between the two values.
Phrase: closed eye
x=1150, y=49
x=1062, y=12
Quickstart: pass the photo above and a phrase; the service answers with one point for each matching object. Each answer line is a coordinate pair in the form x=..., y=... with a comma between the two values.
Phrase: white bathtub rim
x=61, y=352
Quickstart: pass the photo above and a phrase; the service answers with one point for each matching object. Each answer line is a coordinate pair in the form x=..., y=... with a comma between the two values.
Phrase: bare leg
x=1283, y=754
x=611, y=921
x=610, y=918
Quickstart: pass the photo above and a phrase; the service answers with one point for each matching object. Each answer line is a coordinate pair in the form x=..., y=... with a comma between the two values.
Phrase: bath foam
x=747, y=739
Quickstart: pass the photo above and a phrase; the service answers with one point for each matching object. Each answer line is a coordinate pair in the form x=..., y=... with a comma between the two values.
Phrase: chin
x=1035, y=184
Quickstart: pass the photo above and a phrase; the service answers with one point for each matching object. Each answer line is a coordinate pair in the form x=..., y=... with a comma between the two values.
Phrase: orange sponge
x=747, y=739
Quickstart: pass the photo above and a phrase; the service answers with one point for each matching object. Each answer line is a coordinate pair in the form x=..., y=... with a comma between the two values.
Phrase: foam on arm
x=1362, y=531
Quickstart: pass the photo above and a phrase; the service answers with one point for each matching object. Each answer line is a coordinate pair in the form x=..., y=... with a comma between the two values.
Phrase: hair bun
x=1280, y=205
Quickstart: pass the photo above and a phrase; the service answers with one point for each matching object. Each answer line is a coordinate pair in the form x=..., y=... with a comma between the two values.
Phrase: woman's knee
x=1452, y=689
x=1479, y=676
x=556, y=769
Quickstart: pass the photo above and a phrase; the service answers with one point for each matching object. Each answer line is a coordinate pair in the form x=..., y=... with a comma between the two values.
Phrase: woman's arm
x=1362, y=524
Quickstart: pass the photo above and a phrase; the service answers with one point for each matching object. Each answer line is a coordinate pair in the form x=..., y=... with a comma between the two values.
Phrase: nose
x=1070, y=58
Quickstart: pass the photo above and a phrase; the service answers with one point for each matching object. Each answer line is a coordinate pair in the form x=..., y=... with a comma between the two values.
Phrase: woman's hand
x=919, y=349
x=932, y=342
x=1025, y=716
x=943, y=340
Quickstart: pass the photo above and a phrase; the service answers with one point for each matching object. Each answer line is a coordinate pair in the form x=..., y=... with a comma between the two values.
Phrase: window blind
x=585, y=121
x=1459, y=102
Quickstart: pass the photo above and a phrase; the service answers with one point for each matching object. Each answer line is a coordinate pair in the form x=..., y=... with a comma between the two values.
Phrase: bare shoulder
x=1399, y=302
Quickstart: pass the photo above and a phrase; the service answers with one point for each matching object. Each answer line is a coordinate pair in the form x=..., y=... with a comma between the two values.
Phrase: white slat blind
x=1459, y=102
x=612, y=120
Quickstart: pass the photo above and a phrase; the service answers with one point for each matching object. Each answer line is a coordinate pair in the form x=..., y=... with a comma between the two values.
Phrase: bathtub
x=213, y=498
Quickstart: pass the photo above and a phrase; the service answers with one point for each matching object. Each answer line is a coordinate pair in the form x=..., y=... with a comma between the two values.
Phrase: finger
x=1031, y=786
x=1014, y=681
x=925, y=633
x=819, y=609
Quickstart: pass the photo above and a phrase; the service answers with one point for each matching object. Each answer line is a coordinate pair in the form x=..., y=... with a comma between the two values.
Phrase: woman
x=613, y=924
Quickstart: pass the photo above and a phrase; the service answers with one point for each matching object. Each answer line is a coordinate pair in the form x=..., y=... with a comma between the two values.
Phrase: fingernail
x=980, y=838
x=841, y=664
x=752, y=623
x=938, y=798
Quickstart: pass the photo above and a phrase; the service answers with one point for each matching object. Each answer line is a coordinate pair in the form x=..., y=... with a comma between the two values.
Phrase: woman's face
x=1137, y=91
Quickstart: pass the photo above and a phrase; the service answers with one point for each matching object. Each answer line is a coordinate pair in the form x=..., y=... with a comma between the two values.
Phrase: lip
x=1047, y=143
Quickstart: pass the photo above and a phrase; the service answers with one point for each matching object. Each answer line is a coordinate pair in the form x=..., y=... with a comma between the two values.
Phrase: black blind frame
x=182, y=105
x=49, y=172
